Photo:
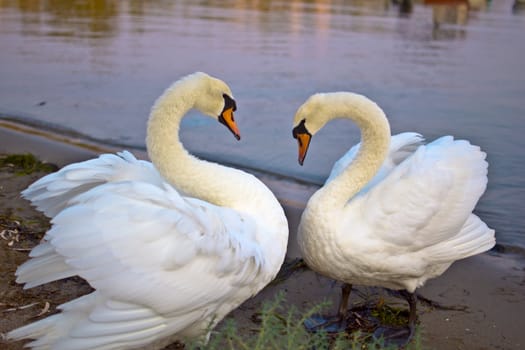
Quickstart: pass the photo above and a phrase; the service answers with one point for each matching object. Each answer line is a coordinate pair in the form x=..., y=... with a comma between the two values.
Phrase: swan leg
x=411, y=298
x=332, y=324
x=403, y=336
x=343, y=303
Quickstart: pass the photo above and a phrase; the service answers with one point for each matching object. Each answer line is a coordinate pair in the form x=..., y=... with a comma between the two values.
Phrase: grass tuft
x=25, y=164
x=388, y=315
x=277, y=328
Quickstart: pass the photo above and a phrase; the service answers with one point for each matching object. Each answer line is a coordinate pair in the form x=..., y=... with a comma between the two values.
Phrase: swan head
x=308, y=120
x=209, y=95
x=215, y=99
x=320, y=108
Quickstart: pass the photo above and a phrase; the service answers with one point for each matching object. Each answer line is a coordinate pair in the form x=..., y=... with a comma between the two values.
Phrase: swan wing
x=93, y=322
x=125, y=230
x=175, y=259
x=426, y=200
x=52, y=193
x=402, y=146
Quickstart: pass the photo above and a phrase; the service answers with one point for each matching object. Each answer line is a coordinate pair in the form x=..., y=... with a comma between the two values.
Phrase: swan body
x=393, y=212
x=170, y=247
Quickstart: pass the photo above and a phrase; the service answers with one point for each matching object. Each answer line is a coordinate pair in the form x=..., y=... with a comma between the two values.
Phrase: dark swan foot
x=369, y=319
x=332, y=324
x=329, y=324
x=398, y=336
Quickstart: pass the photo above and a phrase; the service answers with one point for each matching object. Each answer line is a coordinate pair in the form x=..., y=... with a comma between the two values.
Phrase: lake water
x=96, y=66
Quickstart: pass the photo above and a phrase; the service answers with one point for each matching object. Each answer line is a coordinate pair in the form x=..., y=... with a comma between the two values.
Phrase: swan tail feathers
x=43, y=267
x=92, y=322
x=40, y=330
x=474, y=238
x=454, y=174
x=471, y=169
x=46, y=333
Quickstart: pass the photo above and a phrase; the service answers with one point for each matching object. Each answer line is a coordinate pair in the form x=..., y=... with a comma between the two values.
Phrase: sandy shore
x=489, y=288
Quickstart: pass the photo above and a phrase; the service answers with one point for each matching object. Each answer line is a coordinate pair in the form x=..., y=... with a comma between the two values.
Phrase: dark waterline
x=95, y=67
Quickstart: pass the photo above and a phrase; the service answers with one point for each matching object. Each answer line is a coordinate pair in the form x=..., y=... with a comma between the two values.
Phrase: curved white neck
x=197, y=178
x=375, y=142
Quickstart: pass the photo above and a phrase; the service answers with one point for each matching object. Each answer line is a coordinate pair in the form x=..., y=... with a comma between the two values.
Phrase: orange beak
x=227, y=119
x=303, y=141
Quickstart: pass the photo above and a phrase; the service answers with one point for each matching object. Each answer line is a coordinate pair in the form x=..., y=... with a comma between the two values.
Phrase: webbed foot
x=398, y=336
x=330, y=324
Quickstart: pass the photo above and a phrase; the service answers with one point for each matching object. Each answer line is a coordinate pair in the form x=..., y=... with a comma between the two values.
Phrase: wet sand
x=489, y=289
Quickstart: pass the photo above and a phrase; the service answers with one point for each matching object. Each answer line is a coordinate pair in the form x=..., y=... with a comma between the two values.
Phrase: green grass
x=278, y=328
x=24, y=164
x=389, y=315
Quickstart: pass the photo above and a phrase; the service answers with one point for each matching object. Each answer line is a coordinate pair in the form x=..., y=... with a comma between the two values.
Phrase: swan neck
x=192, y=176
x=375, y=141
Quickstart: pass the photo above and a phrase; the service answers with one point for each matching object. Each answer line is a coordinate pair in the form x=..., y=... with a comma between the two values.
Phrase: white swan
x=164, y=266
x=393, y=212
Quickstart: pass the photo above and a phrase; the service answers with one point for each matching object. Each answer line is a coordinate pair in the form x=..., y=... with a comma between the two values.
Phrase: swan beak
x=227, y=119
x=303, y=140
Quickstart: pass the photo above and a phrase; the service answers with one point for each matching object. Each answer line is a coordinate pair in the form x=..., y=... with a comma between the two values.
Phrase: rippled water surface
x=96, y=66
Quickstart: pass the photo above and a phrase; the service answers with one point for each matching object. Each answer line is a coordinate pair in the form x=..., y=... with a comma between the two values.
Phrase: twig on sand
x=47, y=305
x=23, y=307
x=44, y=310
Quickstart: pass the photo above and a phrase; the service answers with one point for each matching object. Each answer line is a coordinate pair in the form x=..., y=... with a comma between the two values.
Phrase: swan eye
x=229, y=103
x=300, y=129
